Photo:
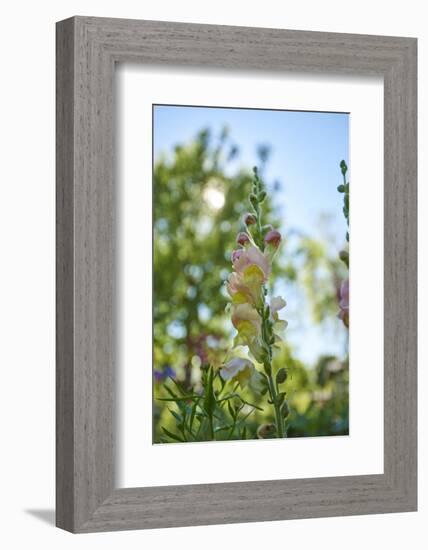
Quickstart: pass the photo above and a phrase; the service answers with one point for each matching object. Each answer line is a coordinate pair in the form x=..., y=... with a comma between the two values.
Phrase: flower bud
x=280, y=398
x=285, y=410
x=265, y=430
x=344, y=256
x=243, y=239
x=281, y=376
x=250, y=219
x=273, y=238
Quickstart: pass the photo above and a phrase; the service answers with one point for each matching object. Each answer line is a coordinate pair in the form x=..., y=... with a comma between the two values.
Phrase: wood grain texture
x=64, y=276
x=87, y=50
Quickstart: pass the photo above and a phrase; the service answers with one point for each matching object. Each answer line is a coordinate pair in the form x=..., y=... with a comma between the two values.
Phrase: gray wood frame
x=87, y=50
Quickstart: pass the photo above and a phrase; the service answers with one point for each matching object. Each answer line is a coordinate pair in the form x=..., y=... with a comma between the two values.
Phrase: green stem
x=266, y=328
x=211, y=425
x=273, y=397
x=273, y=390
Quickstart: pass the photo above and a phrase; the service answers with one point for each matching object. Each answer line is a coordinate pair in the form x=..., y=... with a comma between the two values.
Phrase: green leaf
x=192, y=415
x=171, y=435
x=177, y=416
x=178, y=386
x=171, y=393
x=251, y=404
x=178, y=399
x=223, y=428
x=209, y=393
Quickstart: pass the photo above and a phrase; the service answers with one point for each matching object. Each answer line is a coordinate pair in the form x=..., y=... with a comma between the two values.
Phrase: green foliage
x=321, y=406
x=319, y=275
x=214, y=414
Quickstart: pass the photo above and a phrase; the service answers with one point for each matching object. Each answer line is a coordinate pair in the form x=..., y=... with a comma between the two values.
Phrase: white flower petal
x=235, y=365
x=281, y=324
x=277, y=303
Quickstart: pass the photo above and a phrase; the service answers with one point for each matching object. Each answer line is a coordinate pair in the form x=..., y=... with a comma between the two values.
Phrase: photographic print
x=250, y=274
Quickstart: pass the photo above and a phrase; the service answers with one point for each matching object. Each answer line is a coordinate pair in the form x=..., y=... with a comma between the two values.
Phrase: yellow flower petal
x=253, y=275
x=246, y=329
x=240, y=298
x=243, y=377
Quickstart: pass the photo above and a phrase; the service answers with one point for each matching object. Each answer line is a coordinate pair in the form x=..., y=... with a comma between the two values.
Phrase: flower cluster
x=255, y=319
x=344, y=254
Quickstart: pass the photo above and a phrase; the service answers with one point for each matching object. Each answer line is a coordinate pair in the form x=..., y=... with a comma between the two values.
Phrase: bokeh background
x=203, y=159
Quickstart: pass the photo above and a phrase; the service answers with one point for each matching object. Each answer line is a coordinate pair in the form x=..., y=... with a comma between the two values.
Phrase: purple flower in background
x=344, y=302
x=161, y=375
x=169, y=372
x=158, y=376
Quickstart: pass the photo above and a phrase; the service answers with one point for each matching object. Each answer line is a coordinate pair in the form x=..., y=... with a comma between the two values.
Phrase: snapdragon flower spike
x=344, y=254
x=246, y=284
x=255, y=320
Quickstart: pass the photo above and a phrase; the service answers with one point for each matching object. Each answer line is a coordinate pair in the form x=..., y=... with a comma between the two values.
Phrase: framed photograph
x=236, y=321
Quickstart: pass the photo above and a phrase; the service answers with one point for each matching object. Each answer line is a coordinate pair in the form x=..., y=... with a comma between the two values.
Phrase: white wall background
x=27, y=272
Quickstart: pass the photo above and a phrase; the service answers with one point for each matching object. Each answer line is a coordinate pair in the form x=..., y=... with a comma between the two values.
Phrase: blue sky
x=306, y=149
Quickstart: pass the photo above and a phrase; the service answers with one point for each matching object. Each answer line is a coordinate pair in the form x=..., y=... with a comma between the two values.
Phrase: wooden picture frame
x=87, y=50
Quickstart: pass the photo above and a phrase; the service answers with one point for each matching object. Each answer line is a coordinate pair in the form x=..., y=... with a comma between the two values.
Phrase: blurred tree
x=320, y=275
x=196, y=208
